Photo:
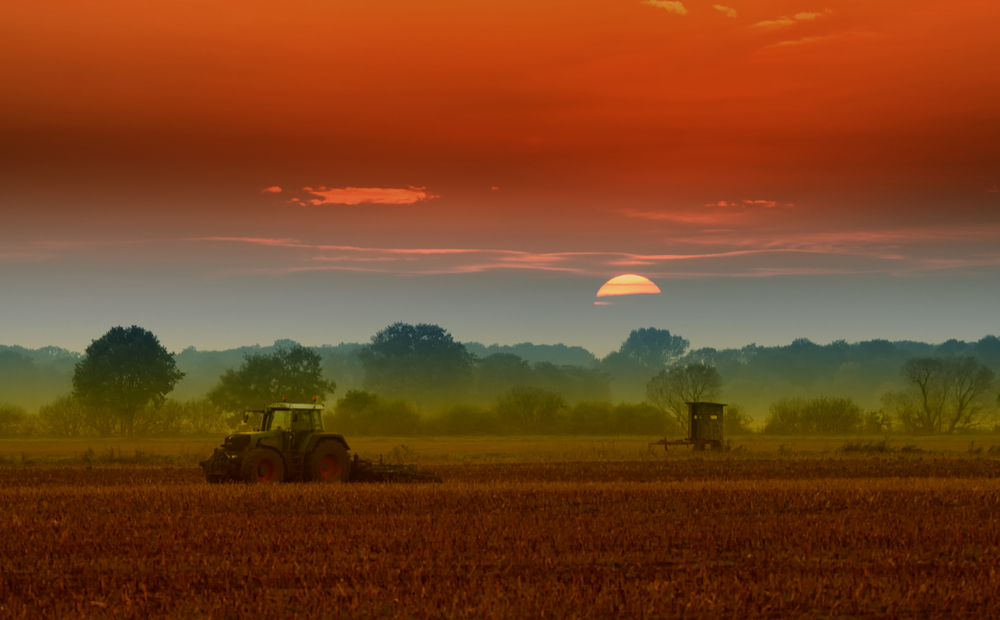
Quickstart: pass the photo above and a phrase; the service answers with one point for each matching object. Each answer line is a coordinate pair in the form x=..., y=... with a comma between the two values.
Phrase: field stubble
x=713, y=536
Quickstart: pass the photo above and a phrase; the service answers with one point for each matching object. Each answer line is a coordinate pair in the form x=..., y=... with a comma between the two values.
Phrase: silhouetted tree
x=644, y=353
x=945, y=394
x=123, y=371
x=421, y=362
x=574, y=383
x=499, y=372
x=653, y=348
x=295, y=373
x=671, y=389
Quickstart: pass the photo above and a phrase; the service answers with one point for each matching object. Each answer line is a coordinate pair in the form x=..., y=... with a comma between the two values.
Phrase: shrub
x=643, y=419
x=394, y=417
x=817, y=416
x=352, y=411
x=12, y=418
x=163, y=420
x=364, y=413
x=465, y=420
x=591, y=418
x=63, y=417
x=202, y=418
x=876, y=421
x=531, y=410
x=736, y=421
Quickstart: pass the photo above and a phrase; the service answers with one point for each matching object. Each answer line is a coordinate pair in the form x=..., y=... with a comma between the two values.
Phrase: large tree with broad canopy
x=122, y=372
x=422, y=363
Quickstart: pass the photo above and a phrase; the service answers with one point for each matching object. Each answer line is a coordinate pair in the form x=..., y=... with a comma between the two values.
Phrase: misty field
x=476, y=449
x=746, y=534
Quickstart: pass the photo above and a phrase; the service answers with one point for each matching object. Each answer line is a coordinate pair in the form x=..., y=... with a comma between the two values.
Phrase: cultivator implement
x=366, y=471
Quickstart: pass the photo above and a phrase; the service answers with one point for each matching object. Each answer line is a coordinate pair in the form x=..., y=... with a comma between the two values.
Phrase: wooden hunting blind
x=705, y=421
x=704, y=427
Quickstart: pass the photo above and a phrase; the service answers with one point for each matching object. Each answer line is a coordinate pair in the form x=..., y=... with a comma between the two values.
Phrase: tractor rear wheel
x=262, y=465
x=328, y=462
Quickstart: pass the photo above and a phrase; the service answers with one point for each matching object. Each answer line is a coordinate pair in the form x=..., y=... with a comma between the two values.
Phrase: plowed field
x=714, y=537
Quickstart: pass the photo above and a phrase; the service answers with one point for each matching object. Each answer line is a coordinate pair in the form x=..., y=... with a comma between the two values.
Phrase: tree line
x=121, y=383
x=754, y=375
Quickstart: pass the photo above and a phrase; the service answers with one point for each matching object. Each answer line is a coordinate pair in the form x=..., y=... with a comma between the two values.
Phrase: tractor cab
x=293, y=418
x=290, y=424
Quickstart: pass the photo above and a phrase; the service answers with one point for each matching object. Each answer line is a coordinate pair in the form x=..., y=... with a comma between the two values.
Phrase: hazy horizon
x=598, y=355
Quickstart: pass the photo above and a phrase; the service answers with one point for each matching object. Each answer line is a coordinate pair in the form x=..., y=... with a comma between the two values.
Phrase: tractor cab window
x=301, y=421
x=317, y=420
x=281, y=420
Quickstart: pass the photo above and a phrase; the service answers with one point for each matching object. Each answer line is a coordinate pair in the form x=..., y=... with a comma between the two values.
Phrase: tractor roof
x=295, y=406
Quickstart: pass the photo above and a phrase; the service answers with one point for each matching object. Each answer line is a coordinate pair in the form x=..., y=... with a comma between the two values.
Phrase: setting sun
x=627, y=284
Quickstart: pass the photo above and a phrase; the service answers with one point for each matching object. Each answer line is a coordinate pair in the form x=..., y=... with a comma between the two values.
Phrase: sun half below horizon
x=628, y=284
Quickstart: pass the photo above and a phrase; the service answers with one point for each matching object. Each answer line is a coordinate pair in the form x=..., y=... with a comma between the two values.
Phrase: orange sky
x=623, y=88
x=590, y=137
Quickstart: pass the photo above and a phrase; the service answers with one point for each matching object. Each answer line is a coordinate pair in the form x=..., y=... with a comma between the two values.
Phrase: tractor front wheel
x=262, y=465
x=329, y=462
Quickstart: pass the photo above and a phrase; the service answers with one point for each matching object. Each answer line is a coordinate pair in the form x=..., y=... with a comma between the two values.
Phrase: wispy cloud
x=252, y=240
x=772, y=23
x=431, y=261
x=669, y=5
x=830, y=37
x=938, y=264
x=804, y=41
x=754, y=240
x=789, y=21
x=721, y=212
x=761, y=203
x=437, y=261
x=729, y=11
x=358, y=195
x=274, y=189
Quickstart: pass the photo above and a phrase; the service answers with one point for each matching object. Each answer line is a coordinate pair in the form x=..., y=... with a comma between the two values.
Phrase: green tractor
x=290, y=445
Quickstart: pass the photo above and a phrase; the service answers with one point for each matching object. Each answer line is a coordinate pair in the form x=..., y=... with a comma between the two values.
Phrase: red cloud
x=373, y=195
x=274, y=189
